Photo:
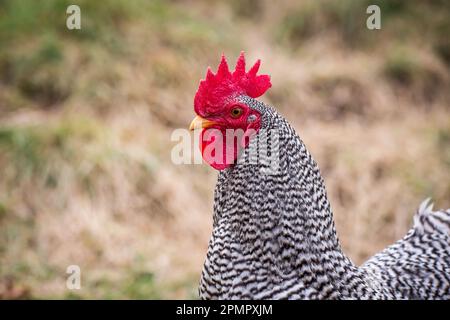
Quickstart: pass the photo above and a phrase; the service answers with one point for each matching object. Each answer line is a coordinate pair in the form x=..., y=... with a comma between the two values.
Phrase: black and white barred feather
x=274, y=236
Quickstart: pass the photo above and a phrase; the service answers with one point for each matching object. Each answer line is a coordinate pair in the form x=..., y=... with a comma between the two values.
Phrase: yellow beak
x=200, y=122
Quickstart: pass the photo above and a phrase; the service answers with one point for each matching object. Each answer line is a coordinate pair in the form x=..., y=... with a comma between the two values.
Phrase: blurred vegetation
x=345, y=19
x=86, y=116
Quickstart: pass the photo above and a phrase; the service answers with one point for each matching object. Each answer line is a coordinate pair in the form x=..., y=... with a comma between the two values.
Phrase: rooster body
x=274, y=236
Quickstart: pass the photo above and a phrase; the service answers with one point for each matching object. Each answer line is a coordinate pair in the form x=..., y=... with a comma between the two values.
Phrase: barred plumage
x=274, y=236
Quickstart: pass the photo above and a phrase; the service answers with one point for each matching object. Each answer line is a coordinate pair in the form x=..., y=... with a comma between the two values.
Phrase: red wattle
x=215, y=150
x=220, y=151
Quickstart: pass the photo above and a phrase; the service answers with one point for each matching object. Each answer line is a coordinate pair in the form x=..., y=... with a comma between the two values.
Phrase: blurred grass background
x=86, y=117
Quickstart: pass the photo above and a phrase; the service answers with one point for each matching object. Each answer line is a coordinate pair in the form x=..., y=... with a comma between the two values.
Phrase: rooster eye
x=236, y=112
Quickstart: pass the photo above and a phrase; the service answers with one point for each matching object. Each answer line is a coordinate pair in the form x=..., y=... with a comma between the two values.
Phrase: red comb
x=217, y=88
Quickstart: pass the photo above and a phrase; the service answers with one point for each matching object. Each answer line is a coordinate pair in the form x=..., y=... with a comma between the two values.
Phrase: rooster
x=273, y=231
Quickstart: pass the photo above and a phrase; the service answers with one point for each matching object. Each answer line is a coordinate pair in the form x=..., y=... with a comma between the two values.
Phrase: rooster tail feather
x=427, y=221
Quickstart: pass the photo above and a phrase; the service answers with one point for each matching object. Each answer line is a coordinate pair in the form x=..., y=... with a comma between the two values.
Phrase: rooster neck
x=274, y=228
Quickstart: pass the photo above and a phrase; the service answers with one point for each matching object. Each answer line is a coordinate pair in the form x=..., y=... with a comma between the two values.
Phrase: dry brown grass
x=88, y=180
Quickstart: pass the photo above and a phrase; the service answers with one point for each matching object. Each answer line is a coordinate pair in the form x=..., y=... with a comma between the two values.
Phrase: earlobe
x=251, y=118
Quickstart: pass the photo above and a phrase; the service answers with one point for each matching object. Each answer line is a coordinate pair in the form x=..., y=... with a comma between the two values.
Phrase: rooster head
x=222, y=113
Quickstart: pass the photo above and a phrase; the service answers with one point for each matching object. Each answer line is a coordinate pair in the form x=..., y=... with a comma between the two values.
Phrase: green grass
x=347, y=18
x=41, y=75
x=443, y=143
x=25, y=146
x=30, y=148
x=20, y=19
x=3, y=210
x=401, y=66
